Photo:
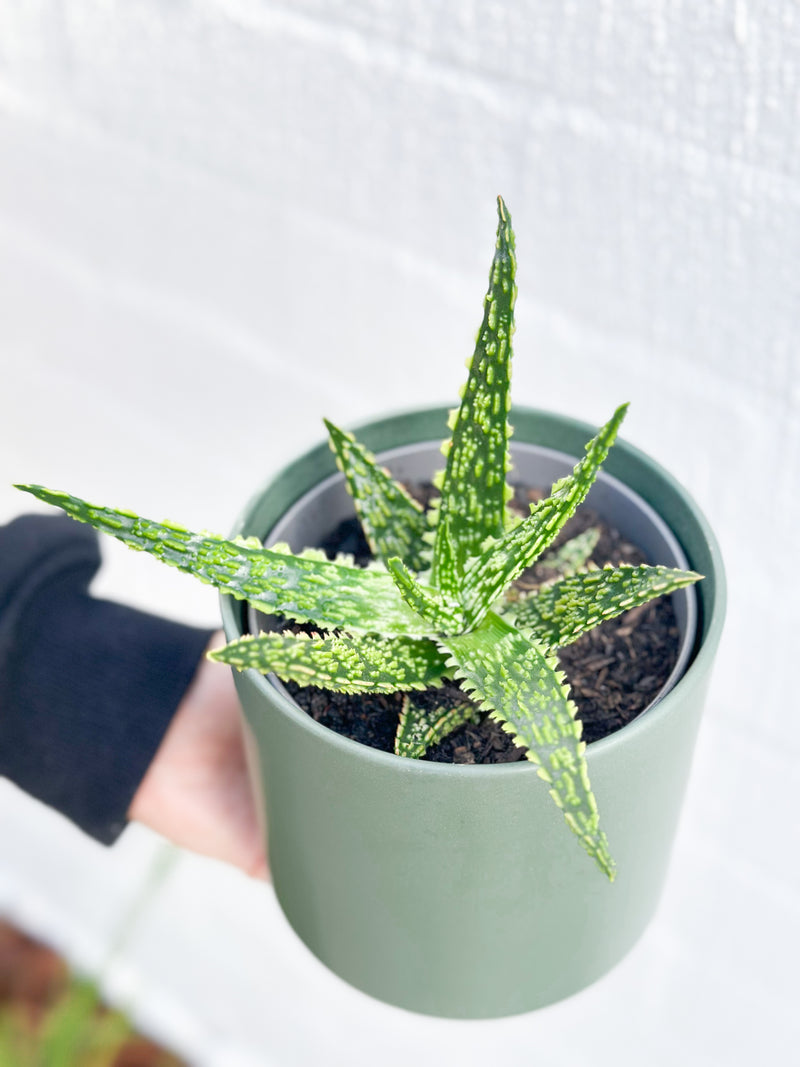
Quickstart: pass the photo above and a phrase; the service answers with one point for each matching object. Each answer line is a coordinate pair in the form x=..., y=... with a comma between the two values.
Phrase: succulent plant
x=437, y=602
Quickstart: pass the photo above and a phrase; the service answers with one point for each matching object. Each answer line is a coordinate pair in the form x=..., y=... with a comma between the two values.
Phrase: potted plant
x=449, y=889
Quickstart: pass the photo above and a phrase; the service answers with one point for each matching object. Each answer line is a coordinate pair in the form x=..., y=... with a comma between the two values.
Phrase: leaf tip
x=334, y=433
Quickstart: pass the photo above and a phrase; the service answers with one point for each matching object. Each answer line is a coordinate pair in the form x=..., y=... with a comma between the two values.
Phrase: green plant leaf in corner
x=421, y=728
x=559, y=613
x=76, y=1031
x=489, y=575
x=473, y=488
x=517, y=679
x=393, y=523
x=343, y=664
x=304, y=588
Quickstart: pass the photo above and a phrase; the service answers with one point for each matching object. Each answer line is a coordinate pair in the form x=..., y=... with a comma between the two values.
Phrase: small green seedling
x=437, y=603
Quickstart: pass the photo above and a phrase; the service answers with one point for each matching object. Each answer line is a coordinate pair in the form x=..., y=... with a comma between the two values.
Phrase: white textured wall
x=286, y=210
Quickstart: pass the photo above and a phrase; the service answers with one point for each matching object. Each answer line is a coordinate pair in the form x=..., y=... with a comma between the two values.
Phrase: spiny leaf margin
x=442, y=614
x=490, y=574
x=394, y=523
x=559, y=613
x=518, y=681
x=340, y=663
x=573, y=555
x=302, y=587
x=472, y=505
x=421, y=728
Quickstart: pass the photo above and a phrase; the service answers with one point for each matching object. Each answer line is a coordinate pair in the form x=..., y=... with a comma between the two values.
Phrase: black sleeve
x=87, y=687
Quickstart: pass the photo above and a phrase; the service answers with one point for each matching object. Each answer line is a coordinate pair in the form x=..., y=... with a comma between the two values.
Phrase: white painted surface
x=288, y=208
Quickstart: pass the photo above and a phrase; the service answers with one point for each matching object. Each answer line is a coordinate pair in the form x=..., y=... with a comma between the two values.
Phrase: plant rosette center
x=615, y=670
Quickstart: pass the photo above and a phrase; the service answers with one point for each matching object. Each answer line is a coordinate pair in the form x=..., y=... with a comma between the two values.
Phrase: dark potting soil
x=614, y=671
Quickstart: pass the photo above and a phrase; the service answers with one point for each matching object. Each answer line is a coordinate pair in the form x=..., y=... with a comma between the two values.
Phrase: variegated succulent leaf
x=560, y=562
x=302, y=587
x=394, y=524
x=421, y=728
x=559, y=613
x=442, y=613
x=517, y=679
x=490, y=574
x=473, y=487
x=341, y=663
x=573, y=555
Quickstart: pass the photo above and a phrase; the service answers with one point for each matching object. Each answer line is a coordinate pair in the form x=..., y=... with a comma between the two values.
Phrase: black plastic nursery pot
x=458, y=890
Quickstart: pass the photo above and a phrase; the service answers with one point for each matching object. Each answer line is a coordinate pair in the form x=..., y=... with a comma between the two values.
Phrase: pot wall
x=458, y=890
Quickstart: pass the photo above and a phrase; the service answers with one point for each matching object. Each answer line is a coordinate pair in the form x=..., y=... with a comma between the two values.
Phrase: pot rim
x=708, y=634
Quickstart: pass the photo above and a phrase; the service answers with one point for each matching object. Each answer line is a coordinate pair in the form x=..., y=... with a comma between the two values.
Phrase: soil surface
x=614, y=671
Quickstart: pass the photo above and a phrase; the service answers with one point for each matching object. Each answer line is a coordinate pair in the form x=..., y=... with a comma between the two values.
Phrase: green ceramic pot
x=458, y=890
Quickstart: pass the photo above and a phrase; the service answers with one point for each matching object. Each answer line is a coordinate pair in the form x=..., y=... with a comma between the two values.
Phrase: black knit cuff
x=87, y=687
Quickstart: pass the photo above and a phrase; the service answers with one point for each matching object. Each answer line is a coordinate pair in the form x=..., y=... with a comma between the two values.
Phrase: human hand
x=196, y=791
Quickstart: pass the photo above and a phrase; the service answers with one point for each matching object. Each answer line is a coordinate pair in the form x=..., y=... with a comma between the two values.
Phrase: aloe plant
x=437, y=602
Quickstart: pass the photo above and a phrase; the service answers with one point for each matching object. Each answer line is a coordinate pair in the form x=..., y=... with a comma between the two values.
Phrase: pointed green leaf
x=421, y=728
x=498, y=565
x=573, y=555
x=518, y=681
x=442, y=614
x=473, y=490
x=303, y=587
x=394, y=524
x=346, y=665
x=559, y=613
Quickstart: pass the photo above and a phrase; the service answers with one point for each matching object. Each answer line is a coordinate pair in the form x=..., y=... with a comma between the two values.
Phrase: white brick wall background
x=222, y=219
